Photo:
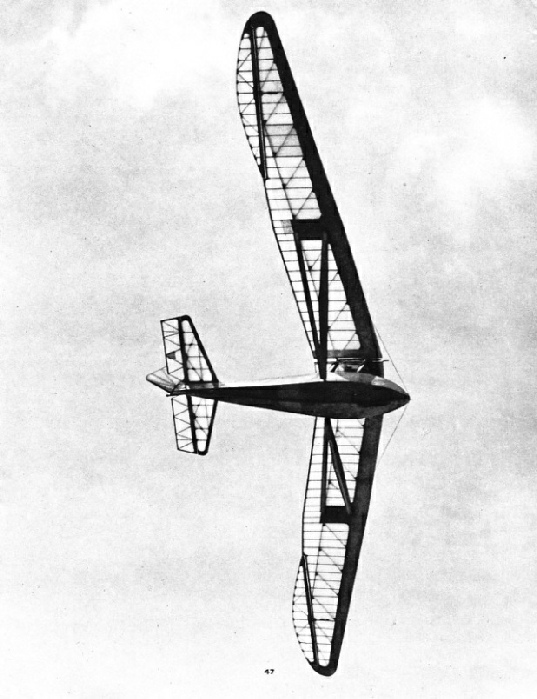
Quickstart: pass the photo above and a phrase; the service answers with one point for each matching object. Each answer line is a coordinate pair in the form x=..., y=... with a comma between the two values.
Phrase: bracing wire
x=403, y=385
x=390, y=358
x=392, y=434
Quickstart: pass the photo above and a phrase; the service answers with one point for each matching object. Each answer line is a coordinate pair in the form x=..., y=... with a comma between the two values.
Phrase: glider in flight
x=347, y=394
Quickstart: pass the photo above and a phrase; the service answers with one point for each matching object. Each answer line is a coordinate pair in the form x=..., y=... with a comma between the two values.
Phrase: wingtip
x=261, y=19
x=325, y=670
x=261, y=15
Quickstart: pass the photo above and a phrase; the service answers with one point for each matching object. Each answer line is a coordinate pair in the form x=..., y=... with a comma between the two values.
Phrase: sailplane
x=346, y=393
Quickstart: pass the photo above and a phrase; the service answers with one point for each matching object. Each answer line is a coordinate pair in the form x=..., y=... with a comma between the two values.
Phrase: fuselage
x=340, y=395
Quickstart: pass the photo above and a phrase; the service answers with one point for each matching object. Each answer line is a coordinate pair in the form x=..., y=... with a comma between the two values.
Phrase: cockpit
x=347, y=366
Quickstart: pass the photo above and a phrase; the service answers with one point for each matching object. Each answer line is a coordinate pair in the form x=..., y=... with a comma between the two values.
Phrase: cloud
x=28, y=20
x=143, y=49
x=493, y=148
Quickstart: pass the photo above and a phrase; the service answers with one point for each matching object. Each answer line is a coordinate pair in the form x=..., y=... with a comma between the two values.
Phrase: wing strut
x=307, y=297
x=323, y=308
x=338, y=467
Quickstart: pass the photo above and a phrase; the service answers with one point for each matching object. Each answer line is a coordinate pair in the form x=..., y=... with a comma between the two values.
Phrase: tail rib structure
x=188, y=364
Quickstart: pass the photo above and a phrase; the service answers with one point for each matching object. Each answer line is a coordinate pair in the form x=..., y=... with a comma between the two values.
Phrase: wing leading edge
x=338, y=493
x=305, y=219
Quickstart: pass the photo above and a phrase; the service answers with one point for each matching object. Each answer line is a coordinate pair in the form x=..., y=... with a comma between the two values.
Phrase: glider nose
x=162, y=379
x=397, y=395
x=400, y=398
x=400, y=395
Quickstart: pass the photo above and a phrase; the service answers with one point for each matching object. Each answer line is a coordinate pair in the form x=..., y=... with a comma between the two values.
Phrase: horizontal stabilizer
x=187, y=364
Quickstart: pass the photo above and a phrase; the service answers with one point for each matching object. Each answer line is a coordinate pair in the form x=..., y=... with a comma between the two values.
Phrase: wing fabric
x=338, y=492
x=305, y=219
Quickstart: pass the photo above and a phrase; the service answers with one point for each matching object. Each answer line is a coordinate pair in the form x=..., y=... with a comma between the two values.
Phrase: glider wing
x=338, y=492
x=305, y=219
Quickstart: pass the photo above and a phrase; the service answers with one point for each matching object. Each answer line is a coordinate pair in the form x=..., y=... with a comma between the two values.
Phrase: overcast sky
x=129, y=194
